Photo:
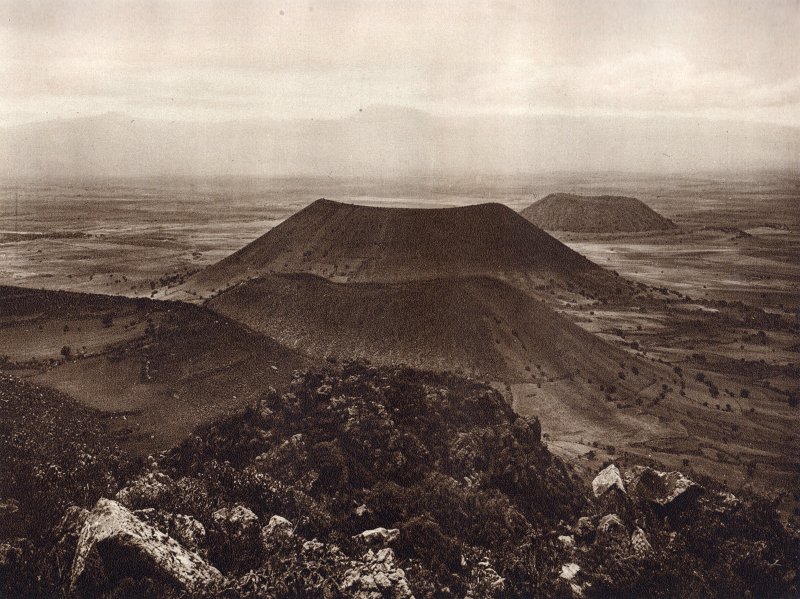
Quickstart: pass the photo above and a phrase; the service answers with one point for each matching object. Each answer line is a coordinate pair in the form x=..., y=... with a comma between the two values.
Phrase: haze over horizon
x=360, y=88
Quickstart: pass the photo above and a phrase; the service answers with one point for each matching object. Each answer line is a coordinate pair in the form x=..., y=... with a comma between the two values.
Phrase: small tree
x=66, y=351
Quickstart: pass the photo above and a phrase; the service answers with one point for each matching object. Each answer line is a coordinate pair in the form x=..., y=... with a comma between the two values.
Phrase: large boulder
x=662, y=489
x=278, y=525
x=114, y=545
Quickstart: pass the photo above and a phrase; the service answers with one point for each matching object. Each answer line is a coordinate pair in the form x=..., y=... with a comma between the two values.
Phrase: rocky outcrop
x=239, y=522
x=610, y=495
x=114, y=544
x=663, y=489
x=188, y=531
x=150, y=490
x=377, y=576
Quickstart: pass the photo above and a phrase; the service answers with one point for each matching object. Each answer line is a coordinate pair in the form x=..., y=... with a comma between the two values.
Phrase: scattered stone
x=10, y=554
x=568, y=580
x=640, y=543
x=484, y=582
x=608, y=478
x=568, y=541
x=584, y=528
x=313, y=545
x=239, y=522
x=569, y=571
x=149, y=490
x=729, y=500
x=378, y=536
x=376, y=576
x=611, y=531
x=114, y=544
x=8, y=507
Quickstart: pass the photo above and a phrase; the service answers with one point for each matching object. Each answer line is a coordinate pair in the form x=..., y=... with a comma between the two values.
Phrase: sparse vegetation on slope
x=478, y=325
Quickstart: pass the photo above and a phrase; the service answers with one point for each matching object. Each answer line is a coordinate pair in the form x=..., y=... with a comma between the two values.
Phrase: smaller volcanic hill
x=153, y=369
x=346, y=242
x=595, y=214
x=479, y=325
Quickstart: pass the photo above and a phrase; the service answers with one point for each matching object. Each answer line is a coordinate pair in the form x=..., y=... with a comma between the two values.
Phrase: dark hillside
x=479, y=325
x=346, y=242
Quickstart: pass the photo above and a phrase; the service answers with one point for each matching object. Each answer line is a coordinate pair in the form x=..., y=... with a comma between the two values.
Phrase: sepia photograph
x=396, y=299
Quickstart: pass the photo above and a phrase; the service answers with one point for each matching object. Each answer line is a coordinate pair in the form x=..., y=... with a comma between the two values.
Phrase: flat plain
x=713, y=315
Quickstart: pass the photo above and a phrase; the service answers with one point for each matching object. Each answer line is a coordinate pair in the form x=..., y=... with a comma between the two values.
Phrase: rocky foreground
x=366, y=482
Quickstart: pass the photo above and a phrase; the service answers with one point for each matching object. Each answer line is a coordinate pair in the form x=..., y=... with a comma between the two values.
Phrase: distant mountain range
x=388, y=142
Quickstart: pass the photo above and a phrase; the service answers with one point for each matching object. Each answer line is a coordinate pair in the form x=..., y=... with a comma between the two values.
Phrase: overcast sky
x=219, y=60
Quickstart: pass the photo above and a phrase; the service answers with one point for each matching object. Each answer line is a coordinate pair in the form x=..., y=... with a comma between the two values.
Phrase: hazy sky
x=218, y=60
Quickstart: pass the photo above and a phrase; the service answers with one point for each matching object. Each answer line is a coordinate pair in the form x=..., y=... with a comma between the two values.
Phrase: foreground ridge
x=362, y=481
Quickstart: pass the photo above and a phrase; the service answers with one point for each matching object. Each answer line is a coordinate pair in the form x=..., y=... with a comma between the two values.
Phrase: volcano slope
x=595, y=214
x=154, y=370
x=351, y=243
x=468, y=289
x=479, y=325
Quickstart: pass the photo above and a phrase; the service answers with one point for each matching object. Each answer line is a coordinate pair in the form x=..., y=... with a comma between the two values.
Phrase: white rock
x=567, y=541
x=569, y=571
x=608, y=478
x=115, y=535
x=378, y=536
